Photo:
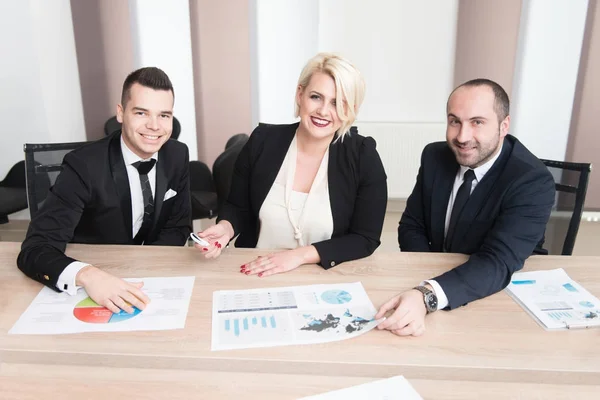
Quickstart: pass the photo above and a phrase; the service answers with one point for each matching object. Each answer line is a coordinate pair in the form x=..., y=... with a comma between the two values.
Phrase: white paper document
x=555, y=300
x=395, y=388
x=290, y=315
x=53, y=313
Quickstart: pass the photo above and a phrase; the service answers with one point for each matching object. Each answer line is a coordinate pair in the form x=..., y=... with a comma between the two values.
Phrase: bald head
x=501, y=103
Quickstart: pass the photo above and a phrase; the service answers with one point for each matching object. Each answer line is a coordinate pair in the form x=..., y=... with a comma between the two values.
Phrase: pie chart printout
x=89, y=311
x=336, y=297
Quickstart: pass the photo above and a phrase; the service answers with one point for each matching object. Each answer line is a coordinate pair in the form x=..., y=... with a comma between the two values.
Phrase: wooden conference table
x=489, y=348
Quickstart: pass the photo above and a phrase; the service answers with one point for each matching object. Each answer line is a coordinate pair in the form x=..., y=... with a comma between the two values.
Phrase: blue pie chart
x=336, y=297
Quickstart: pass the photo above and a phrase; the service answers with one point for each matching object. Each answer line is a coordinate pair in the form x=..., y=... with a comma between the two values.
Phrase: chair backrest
x=112, y=125
x=236, y=139
x=223, y=169
x=43, y=163
x=200, y=177
x=15, y=177
x=571, y=182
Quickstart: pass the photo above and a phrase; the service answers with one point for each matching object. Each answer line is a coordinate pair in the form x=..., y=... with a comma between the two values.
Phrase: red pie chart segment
x=89, y=311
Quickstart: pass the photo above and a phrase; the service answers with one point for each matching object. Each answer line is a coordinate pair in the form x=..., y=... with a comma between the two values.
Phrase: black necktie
x=464, y=191
x=143, y=168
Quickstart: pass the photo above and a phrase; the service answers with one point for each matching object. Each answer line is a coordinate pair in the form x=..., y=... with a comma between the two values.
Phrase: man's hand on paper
x=111, y=292
x=281, y=261
x=408, y=316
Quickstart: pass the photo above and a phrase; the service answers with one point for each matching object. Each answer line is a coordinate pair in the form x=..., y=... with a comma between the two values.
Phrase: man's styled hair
x=501, y=101
x=151, y=77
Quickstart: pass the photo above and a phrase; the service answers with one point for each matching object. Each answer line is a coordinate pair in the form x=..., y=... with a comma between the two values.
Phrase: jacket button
x=46, y=277
x=332, y=263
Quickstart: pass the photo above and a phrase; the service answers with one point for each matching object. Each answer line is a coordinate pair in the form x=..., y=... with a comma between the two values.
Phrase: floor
x=586, y=244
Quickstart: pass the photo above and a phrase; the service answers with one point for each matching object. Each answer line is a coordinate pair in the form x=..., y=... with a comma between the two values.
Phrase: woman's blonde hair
x=349, y=86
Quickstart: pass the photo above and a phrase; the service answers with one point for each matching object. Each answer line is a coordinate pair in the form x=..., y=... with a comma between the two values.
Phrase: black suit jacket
x=357, y=191
x=502, y=223
x=91, y=203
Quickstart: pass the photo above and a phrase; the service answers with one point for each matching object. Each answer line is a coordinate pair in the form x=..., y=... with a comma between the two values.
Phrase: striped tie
x=143, y=168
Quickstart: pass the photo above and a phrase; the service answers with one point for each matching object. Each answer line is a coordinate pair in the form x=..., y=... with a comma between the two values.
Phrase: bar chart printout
x=290, y=315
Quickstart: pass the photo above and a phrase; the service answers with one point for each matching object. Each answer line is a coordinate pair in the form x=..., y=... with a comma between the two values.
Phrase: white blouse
x=290, y=219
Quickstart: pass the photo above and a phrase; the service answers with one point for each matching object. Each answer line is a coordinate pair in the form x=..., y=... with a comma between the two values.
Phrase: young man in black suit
x=480, y=193
x=129, y=188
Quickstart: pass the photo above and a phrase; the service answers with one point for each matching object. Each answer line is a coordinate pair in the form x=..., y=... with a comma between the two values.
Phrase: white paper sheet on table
x=290, y=315
x=53, y=313
x=393, y=388
x=554, y=300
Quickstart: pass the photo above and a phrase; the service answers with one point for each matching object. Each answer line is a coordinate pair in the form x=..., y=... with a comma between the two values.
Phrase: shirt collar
x=130, y=157
x=482, y=169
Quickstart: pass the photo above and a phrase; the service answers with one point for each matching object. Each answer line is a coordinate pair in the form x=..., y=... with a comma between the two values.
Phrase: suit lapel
x=335, y=195
x=442, y=186
x=119, y=175
x=274, y=157
x=160, y=188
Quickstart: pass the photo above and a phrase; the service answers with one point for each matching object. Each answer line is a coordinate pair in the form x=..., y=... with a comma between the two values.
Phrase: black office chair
x=13, y=192
x=202, y=190
x=223, y=167
x=112, y=125
x=235, y=139
x=43, y=163
x=571, y=182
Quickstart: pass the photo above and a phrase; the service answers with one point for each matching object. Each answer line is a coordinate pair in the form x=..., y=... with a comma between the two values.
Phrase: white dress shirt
x=290, y=219
x=66, y=280
x=479, y=174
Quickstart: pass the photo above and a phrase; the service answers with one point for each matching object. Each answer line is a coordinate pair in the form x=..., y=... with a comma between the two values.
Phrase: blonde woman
x=315, y=189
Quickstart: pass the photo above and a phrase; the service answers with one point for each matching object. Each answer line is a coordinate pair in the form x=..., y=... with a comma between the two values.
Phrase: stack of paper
x=386, y=389
x=554, y=299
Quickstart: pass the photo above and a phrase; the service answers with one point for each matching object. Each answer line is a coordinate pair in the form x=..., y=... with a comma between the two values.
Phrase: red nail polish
x=260, y=275
x=204, y=249
x=243, y=266
x=247, y=272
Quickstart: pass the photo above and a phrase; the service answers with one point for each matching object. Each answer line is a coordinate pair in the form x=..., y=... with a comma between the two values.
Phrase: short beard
x=485, y=157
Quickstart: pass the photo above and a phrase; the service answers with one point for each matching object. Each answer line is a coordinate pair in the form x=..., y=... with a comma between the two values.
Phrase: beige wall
x=584, y=136
x=221, y=57
x=486, y=40
x=104, y=58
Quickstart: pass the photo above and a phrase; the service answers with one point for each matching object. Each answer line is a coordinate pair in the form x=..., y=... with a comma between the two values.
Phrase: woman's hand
x=282, y=261
x=218, y=236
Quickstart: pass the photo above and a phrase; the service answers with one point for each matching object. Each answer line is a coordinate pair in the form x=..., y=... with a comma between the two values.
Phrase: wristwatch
x=429, y=297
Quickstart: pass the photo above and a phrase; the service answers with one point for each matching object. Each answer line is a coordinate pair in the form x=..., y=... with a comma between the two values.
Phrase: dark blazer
x=502, y=224
x=357, y=191
x=91, y=203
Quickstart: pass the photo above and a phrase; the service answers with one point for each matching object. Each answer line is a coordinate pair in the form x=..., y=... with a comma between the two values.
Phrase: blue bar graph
x=560, y=315
x=248, y=323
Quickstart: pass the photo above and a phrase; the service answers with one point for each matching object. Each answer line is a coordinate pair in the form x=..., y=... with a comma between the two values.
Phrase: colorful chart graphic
x=89, y=311
x=336, y=297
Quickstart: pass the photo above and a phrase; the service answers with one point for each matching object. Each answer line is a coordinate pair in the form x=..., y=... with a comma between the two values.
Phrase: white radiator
x=400, y=146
